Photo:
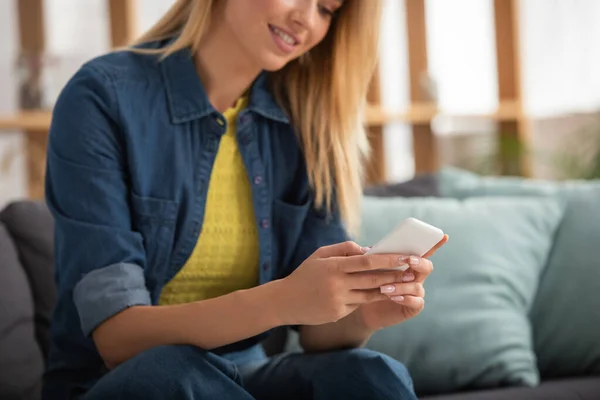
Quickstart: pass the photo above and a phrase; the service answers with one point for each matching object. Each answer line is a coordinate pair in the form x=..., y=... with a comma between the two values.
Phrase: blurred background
x=500, y=87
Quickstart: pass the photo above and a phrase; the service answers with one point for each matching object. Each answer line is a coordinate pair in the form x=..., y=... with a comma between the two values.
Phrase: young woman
x=204, y=183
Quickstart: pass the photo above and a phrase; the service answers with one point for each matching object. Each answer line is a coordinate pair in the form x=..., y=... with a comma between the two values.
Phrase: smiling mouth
x=289, y=40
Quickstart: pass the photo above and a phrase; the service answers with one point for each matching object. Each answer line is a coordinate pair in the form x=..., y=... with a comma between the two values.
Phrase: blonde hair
x=324, y=93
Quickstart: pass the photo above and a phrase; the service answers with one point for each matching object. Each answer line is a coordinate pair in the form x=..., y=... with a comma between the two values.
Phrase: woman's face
x=274, y=32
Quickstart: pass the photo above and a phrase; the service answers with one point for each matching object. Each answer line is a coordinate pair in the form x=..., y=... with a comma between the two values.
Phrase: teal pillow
x=565, y=315
x=473, y=332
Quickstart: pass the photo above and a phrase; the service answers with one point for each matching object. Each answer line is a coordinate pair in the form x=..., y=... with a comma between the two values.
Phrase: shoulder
x=97, y=82
x=88, y=113
x=124, y=66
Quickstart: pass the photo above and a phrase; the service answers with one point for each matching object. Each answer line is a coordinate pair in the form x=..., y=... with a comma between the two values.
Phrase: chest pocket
x=155, y=219
x=288, y=222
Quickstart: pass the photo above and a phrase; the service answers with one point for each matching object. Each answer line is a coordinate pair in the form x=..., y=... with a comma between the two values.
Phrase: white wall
x=394, y=72
x=561, y=55
x=150, y=11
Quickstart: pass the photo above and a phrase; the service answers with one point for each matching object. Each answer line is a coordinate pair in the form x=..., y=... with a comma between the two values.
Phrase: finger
x=366, y=296
x=422, y=267
x=404, y=289
x=372, y=262
x=376, y=279
x=437, y=246
x=412, y=302
x=343, y=249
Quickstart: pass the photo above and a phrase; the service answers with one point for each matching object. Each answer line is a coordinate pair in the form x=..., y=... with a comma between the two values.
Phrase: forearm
x=207, y=324
x=348, y=332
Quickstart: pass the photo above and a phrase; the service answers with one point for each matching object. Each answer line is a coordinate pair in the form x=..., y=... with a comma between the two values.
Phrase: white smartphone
x=411, y=237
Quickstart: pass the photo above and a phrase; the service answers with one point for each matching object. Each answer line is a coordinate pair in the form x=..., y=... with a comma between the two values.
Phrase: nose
x=305, y=13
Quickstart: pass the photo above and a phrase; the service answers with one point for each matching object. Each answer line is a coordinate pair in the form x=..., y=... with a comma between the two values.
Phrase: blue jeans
x=186, y=373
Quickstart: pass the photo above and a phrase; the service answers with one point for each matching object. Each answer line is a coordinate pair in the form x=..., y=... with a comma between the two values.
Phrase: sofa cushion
x=565, y=316
x=568, y=389
x=31, y=227
x=474, y=331
x=424, y=185
x=21, y=363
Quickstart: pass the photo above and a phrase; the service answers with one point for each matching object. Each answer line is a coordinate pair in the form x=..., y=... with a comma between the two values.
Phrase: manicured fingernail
x=409, y=277
x=388, y=289
x=414, y=260
x=397, y=298
x=403, y=267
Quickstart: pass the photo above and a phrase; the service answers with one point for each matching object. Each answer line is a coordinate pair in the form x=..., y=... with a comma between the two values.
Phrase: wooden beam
x=122, y=22
x=31, y=26
x=32, y=47
x=507, y=48
x=375, y=168
x=512, y=132
x=37, y=121
x=424, y=143
x=37, y=144
x=418, y=64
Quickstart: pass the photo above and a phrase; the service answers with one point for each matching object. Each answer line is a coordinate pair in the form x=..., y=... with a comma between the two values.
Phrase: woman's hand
x=334, y=282
x=406, y=297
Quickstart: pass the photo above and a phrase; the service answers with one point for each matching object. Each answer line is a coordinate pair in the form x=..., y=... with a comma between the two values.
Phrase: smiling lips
x=285, y=41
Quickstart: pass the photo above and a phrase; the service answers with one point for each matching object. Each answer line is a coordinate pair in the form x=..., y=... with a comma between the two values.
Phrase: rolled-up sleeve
x=99, y=258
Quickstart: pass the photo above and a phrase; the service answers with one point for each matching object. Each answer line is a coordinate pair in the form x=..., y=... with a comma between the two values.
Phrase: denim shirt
x=131, y=148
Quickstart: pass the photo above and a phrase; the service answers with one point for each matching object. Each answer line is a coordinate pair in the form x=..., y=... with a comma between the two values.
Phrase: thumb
x=344, y=249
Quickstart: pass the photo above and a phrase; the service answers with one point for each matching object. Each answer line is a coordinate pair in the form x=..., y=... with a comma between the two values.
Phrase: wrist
x=278, y=304
x=362, y=323
x=266, y=299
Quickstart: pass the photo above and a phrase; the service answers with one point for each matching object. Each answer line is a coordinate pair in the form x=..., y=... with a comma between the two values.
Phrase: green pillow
x=565, y=315
x=473, y=332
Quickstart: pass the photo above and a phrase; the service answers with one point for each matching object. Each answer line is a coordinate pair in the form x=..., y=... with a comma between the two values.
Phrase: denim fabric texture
x=186, y=373
x=131, y=149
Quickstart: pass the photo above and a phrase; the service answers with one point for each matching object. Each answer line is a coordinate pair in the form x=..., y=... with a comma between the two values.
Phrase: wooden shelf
x=507, y=111
x=375, y=116
x=35, y=121
x=426, y=113
x=416, y=114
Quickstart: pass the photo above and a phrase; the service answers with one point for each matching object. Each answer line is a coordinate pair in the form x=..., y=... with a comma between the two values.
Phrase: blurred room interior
x=498, y=87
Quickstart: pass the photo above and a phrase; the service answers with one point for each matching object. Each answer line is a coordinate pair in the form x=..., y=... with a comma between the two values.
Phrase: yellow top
x=225, y=258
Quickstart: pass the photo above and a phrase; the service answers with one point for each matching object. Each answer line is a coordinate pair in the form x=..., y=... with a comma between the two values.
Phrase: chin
x=272, y=62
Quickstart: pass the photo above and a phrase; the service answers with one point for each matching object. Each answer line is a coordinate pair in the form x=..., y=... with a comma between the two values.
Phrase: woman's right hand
x=334, y=281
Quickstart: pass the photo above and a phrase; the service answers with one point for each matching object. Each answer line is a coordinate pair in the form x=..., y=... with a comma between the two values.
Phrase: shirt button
x=258, y=180
x=264, y=223
x=265, y=266
x=220, y=121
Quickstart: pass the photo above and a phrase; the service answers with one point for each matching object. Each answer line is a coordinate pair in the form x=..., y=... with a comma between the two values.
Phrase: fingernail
x=409, y=277
x=365, y=249
x=388, y=289
x=403, y=266
x=414, y=260
x=397, y=298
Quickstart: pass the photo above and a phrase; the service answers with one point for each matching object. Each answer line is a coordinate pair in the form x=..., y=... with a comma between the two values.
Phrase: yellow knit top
x=226, y=256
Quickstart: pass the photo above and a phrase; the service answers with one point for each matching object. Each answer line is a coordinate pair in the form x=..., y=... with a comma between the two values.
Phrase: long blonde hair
x=324, y=93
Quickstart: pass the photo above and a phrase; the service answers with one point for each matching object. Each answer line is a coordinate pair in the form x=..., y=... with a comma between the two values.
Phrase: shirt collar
x=188, y=100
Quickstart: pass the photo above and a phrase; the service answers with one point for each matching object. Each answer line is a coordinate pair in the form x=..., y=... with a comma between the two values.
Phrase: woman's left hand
x=407, y=298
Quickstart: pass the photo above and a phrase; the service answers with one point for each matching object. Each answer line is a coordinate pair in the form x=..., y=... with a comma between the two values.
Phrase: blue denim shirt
x=131, y=148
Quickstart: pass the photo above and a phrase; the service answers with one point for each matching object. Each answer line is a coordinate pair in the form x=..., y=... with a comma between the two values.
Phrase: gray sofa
x=27, y=295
